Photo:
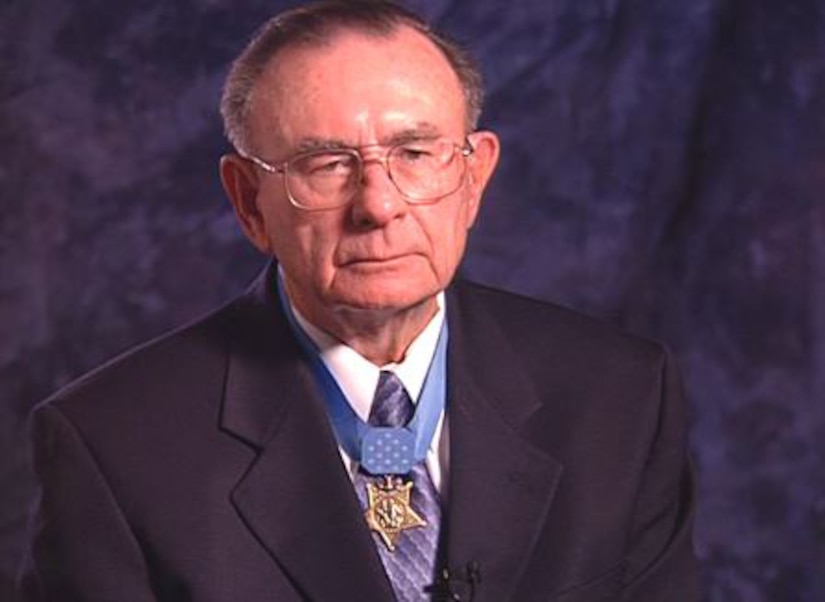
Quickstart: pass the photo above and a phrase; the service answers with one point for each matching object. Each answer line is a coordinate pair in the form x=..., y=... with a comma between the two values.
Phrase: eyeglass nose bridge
x=381, y=155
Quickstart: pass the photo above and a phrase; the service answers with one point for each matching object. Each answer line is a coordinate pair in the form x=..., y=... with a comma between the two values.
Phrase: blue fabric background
x=663, y=166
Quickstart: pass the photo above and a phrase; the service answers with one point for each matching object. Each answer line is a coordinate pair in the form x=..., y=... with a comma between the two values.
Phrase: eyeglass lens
x=422, y=171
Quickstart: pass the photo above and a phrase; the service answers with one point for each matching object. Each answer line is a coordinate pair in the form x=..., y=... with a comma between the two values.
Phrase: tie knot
x=391, y=406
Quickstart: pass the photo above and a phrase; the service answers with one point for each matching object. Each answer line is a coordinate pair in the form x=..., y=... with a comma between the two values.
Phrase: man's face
x=379, y=253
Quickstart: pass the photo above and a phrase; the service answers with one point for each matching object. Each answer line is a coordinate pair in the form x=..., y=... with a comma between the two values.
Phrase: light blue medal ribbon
x=379, y=450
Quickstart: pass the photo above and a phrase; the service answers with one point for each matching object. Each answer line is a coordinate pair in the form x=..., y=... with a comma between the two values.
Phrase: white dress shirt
x=358, y=378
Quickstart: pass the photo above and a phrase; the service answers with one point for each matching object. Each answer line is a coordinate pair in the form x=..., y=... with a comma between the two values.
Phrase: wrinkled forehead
x=352, y=70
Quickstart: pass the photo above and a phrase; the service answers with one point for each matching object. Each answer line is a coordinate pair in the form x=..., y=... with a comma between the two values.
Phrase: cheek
x=448, y=238
x=462, y=221
x=459, y=241
x=307, y=247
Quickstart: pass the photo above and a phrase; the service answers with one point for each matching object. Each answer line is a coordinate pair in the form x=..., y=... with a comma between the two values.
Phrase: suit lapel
x=296, y=496
x=297, y=499
x=501, y=486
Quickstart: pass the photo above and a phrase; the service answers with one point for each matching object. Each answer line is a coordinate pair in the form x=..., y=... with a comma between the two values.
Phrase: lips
x=373, y=260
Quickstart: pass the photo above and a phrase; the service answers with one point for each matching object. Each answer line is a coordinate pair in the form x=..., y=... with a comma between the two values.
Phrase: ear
x=241, y=184
x=480, y=167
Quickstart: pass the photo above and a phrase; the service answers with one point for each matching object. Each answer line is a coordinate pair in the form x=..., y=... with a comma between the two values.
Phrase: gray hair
x=313, y=25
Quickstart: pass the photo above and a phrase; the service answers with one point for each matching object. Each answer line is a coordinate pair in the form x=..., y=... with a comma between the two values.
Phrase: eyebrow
x=421, y=131
x=312, y=144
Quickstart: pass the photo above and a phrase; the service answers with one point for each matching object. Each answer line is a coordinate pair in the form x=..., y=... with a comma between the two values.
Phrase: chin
x=381, y=302
x=392, y=285
x=386, y=296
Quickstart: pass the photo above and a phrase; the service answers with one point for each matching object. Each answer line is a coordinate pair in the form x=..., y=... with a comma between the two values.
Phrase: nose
x=377, y=201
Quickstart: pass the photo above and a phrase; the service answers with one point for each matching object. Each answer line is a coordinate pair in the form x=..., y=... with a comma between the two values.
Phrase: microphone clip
x=456, y=585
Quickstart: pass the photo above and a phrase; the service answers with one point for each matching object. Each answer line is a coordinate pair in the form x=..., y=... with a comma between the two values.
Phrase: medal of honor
x=389, y=512
x=383, y=452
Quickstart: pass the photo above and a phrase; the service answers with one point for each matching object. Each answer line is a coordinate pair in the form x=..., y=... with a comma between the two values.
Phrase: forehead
x=358, y=88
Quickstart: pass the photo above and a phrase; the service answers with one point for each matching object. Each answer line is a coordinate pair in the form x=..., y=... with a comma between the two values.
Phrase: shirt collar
x=358, y=377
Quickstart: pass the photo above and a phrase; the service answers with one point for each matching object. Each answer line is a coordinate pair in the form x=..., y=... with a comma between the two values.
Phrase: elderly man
x=357, y=426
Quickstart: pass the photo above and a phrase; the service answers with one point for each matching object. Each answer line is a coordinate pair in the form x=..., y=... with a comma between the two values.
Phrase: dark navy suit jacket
x=202, y=467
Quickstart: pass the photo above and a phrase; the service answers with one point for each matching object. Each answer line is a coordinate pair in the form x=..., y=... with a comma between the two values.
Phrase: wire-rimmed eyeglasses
x=423, y=170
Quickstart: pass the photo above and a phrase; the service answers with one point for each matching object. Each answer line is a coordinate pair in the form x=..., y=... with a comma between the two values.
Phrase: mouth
x=369, y=261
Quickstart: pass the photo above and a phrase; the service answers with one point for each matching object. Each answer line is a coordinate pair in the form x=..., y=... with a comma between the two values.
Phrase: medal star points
x=389, y=512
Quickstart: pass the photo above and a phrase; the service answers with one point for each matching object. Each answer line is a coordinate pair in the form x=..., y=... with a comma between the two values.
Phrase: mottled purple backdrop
x=663, y=166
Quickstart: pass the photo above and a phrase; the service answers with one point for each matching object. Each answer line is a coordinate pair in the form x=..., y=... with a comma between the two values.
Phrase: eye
x=416, y=152
x=325, y=165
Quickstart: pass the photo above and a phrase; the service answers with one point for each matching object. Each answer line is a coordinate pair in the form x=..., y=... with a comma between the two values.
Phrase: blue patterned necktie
x=411, y=566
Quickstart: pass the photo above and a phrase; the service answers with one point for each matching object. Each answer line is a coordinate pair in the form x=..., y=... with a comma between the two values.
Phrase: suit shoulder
x=178, y=362
x=537, y=325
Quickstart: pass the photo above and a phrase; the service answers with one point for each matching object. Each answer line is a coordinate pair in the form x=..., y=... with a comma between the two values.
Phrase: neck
x=382, y=336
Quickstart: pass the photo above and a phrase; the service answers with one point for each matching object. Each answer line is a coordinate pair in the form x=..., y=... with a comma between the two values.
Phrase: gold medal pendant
x=389, y=512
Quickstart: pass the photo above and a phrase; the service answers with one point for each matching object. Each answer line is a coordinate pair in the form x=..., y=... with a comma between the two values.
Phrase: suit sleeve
x=81, y=547
x=661, y=564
